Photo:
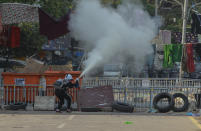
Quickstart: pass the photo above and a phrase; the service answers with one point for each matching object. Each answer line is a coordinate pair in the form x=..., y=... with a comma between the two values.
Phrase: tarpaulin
x=52, y=28
x=96, y=97
x=15, y=37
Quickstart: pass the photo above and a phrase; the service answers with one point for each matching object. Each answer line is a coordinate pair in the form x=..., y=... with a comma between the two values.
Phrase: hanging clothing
x=5, y=36
x=190, y=60
x=165, y=36
x=168, y=59
x=196, y=23
x=177, y=52
x=197, y=48
x=184, y=59
x=13, y=13
x=52, y=28
x=172, y=54
x=15, y=37
x=1, y=26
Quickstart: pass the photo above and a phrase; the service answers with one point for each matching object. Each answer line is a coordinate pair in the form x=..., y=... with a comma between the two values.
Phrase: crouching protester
x=61, y=91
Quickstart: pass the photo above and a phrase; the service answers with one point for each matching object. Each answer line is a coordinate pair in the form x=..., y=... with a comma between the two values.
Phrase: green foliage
x=31, y=40
x=149, y=7
x=56, y=8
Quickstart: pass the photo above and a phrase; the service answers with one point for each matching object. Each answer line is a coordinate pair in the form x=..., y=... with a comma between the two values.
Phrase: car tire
x=186, y=103
x=160, y=96
x=122, y=107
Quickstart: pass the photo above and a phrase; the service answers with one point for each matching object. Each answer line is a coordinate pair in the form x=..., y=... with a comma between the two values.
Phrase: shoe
x=57, y=110
x=69, y=110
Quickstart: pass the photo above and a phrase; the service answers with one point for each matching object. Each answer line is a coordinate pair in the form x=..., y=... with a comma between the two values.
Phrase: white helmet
x=68, y=77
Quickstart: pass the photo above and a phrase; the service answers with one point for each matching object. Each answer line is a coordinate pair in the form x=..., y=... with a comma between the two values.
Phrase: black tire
x=160, y=96
x=186, y=103
x=122, y=107
x=17, y=107
x=121, y=103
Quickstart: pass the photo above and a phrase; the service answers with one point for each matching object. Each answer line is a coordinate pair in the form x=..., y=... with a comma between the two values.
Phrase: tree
x=176, y=12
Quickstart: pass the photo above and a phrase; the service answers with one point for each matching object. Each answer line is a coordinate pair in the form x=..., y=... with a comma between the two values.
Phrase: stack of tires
x=171, y=102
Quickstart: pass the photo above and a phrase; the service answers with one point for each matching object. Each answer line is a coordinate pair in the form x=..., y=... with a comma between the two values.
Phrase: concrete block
x=29, y=108
x=44, y=103
x=3, y=107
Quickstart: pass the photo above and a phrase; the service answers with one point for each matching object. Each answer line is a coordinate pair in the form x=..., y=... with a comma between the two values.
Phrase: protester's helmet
x=58, y=83
x=69, y=77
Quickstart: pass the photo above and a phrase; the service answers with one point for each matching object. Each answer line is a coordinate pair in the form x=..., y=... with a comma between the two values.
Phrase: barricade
x=141, y=91
x=11, y=94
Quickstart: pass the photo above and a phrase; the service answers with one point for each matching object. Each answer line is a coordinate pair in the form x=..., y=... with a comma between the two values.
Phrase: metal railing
x=12, y=94
x=140, y=82
x=138, y=92
x=141, y=91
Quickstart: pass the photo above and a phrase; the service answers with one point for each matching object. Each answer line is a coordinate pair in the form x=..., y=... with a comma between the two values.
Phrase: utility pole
x=156, y=8
x=184, y=22
x=183, y=34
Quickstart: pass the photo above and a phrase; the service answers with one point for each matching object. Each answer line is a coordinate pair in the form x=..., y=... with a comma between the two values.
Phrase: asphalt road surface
x=94, y=122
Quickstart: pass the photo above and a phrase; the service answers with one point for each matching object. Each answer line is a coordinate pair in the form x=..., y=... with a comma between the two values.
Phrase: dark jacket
x=196, y=23
x=68, y=85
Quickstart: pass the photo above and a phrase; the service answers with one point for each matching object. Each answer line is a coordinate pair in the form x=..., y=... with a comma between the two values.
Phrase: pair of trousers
x=61, y=94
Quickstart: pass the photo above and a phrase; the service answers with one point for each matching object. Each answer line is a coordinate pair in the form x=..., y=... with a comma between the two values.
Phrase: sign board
x=20, y=82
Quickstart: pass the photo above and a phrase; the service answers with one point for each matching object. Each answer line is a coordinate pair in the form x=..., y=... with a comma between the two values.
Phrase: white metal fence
x=138, y=92
x=141, y=91
x=12, y=94
x=141, y=82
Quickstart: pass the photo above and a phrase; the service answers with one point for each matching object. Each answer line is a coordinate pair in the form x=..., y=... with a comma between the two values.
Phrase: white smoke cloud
x=113, y=34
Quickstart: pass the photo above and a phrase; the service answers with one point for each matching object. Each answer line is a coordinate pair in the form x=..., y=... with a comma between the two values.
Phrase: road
x=83, y=122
